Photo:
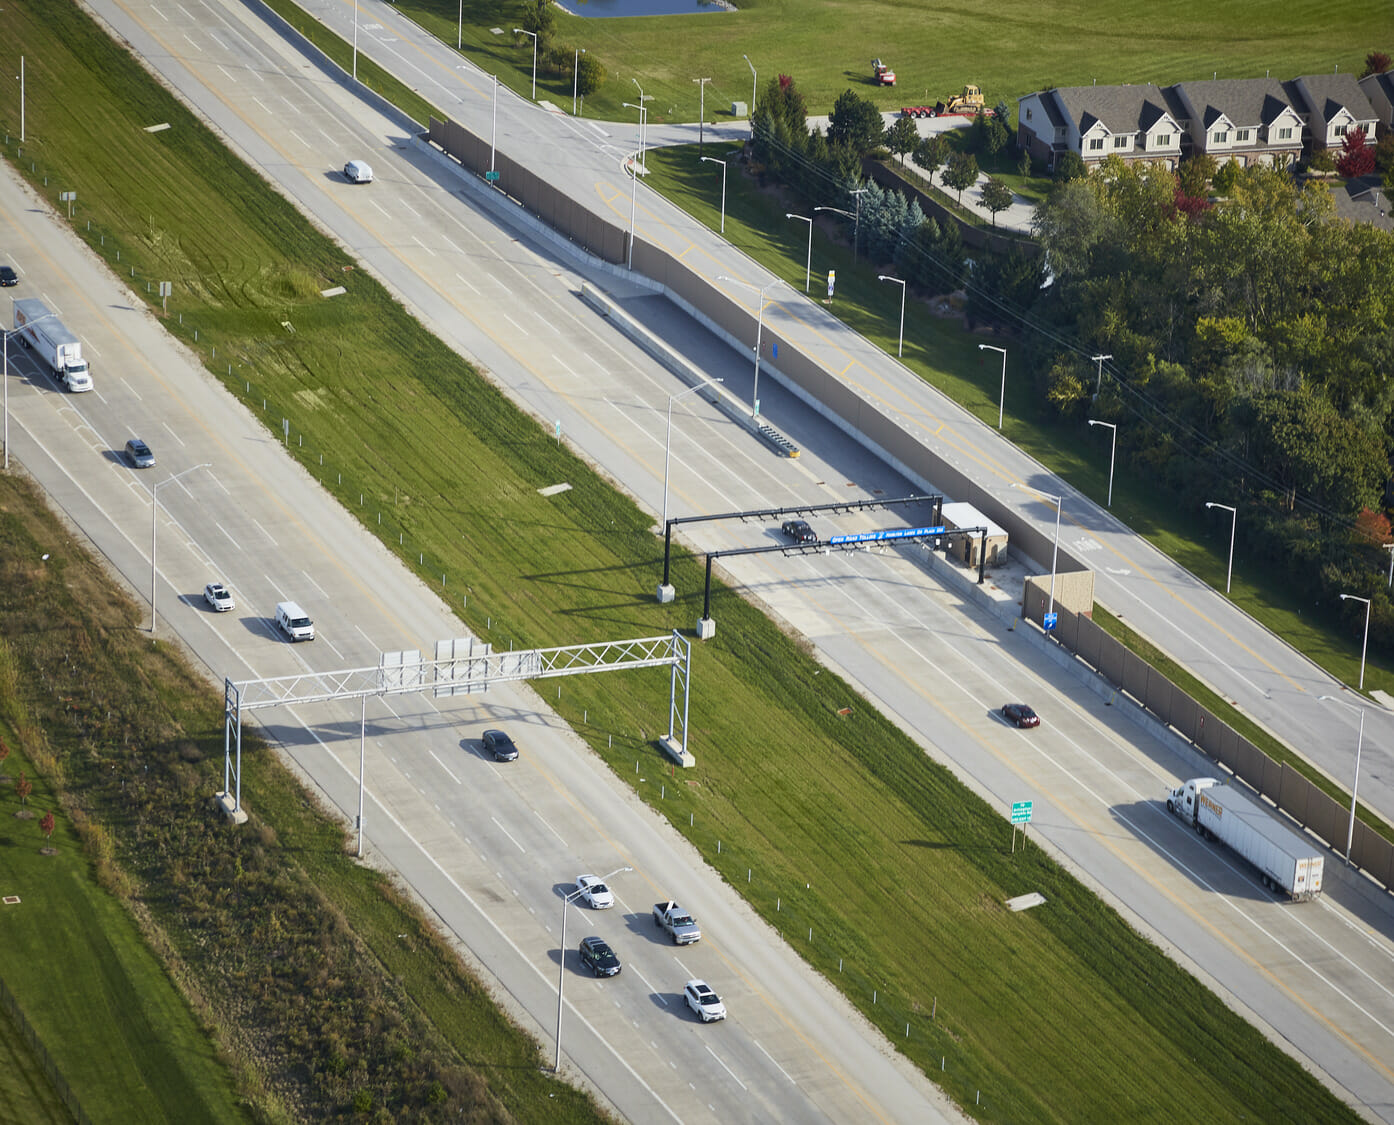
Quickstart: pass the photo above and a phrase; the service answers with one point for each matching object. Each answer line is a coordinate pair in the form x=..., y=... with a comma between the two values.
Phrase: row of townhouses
x=1252, y=120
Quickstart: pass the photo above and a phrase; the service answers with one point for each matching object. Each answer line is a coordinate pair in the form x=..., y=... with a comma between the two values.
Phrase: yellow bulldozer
x=967, y=103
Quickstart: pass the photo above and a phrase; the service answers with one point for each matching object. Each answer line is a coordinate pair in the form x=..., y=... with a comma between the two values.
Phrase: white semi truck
x=62, y=351
x=1286, y=860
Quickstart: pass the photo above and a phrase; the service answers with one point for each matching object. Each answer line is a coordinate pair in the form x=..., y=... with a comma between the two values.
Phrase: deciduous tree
x=1376, y=62
x=1196, y=173
x=590, y=74
x=23, y=787
x=902, y=137
x=997, y=196
x=960, y=172
x=539, y=17
x=931, y=152
x=855, y=122
x=1357, y=157
x=46, y=824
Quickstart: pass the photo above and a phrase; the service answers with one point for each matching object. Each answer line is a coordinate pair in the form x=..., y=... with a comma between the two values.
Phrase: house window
x=1096, y=144
x=1028, y=114
x=1120, y=142
x=1164, y=140
x=1241, y=135
x=1285, y=134
x=1340, y=130
x=1220, y=136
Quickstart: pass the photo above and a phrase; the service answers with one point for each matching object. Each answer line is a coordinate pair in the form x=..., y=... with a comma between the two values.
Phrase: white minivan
x=294, y=622
x=358, y=172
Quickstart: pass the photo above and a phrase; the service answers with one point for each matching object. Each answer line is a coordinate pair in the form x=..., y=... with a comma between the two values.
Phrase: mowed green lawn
x=118, y=1030
x=1062, y=1014
x=1008, y=48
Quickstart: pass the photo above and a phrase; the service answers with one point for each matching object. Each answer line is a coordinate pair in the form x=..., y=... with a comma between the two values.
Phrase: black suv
x=598, y=957
x=799, y=531
x=8, y=276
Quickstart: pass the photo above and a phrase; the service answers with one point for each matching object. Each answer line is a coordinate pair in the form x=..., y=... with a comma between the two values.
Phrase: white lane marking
x=192, y=44
x=159, y=13
x=226, y=74
x=467, y=285
x=507, y=833
x=686, y=971
x=550, y=829
x=263, y=105
x=390, y=709
x=385, y=212
x=776, y=1065
x=528, y=962
x=367, y=638
x=132, y=389
x=231, y=538
x=452, y=245
x=726, y=1068
x=213, y=35
x=264, y=531
x=298, y=137
x=515, y=324
x=171, y=433
x=423, y=246
x=407, y=207
x=446, y=768
x=295, y=109
x=320, y=637
x=648, y=984
x=507, y=292
x=318, y=588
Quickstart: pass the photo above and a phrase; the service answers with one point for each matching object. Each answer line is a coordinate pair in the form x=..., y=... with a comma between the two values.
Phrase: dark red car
x=1020, y=715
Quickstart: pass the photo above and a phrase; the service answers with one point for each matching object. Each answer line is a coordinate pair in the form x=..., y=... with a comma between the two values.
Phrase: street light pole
x=1233, y=521
x=701, y=113
x=1366, y=642
x=634, y=177
x=1390, y=548
x=644, y=99
x=808, y=262
x=668, y=442
x=1355, y=786
x=714, y=160
x=1112, y=426
x=759, y=328
x=154, y=522
x=1099, y=378
x=857, y=223
x=1002, y=401
x=519, y=31
x=575, y=76
x=355, y=43
x=561, y=972
x=494, y=133
x=21, y=93
x=753, y=79
x=1059, y=502
x=848, y=214
x=900, y=342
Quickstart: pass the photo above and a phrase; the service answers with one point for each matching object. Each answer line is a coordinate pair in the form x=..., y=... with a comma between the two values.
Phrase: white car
x=358, y=172
x=218, y=597
x=703, y=1001
x=597, y=895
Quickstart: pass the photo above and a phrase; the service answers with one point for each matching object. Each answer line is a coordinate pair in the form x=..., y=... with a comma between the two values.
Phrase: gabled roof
x=1328, y=94
x=1247, y=102
x=1120, y=109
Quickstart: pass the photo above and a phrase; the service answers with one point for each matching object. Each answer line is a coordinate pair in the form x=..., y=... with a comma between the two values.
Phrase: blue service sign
x=893, y=533
x=491, y=176
x=1021, y=812
x=1048, y=622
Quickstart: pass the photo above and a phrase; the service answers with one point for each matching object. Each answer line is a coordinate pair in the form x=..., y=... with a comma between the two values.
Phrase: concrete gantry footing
x=706, y=629
x=666, y=594
x=674, y=749
x=228, y=805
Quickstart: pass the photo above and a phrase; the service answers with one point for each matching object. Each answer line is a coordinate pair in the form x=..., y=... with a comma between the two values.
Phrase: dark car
x=139, y=455
x=500, y=746
x=8, y=276
x=799, y=531
x=1020, y=715
x=598, y=957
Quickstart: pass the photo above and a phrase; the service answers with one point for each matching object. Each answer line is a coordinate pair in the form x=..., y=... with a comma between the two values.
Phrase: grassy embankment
x=1064, y=1014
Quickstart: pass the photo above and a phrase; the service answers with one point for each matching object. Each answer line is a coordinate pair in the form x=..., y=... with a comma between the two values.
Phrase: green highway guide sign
x=1021, y=812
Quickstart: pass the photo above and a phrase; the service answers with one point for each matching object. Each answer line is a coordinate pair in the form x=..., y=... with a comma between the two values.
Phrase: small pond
x=609, y=9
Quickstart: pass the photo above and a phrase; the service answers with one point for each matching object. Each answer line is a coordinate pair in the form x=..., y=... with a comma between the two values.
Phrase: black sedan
x=500, y=746
x=598, y=957
x=1020, y=715
x=799, y=531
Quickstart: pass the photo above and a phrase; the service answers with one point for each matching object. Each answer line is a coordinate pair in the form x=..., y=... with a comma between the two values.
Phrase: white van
x=294, y=622
x=358, y=172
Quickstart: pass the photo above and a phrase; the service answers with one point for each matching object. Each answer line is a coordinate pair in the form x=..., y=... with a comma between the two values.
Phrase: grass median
x=872, y=860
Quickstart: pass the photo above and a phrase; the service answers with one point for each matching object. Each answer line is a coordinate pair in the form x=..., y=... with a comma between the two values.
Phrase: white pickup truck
x=677, y=921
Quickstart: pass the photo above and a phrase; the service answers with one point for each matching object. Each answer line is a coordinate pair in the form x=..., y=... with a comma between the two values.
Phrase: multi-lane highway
x=489, y=846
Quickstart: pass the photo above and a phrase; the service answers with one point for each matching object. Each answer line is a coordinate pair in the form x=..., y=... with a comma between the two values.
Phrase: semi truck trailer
x=1287, y=861
x=61, y=350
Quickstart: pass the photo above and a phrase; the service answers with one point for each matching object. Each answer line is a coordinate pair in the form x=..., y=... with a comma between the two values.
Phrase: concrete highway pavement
x=613, y=408
x=488, y=847
x=1257, y=671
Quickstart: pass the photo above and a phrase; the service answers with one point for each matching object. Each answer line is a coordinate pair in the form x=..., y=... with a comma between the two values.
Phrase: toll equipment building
x=965, y=548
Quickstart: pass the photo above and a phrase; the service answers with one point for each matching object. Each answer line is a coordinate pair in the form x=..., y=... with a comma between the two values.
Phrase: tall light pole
x=21, y=93
x=355, y=40
x=668, y=442
x=1390, y=548
x=1002, y=400
x=857, y=223
x=714, y=160
x=1099, y=377
x=561, y=973
x=701, y=113
x=1059, y=502
x=520, y=31
x=1366, y=642
x=1112, y=426
x=644, y=99
x=575, y=76
x=848, y=214
x=1355, y=786
x=154, y=512
x=900, y=343
x=494, y=132
x=808, y=261
x=1233, y=521
x=759, y=327
x=753, y=79
x=634, y=180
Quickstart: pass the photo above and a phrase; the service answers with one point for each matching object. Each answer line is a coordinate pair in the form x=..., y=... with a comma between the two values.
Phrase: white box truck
x=61, y=350
x=1287, y=861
